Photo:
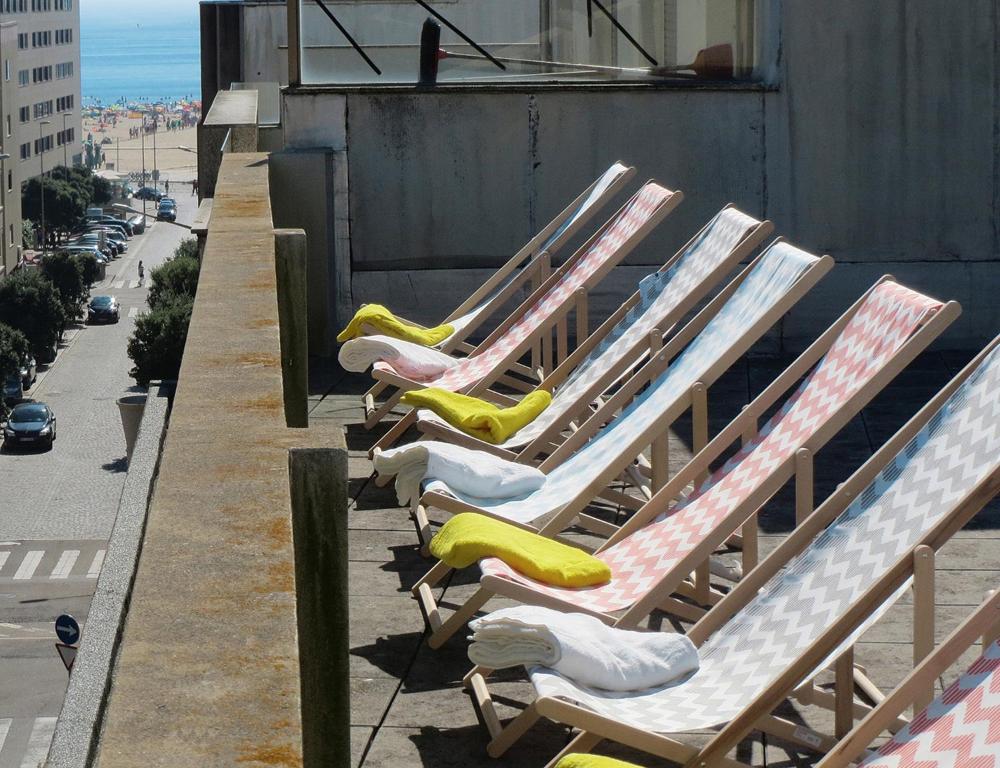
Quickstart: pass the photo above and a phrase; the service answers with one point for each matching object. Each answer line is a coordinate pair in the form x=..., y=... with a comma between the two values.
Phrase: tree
x=157, y=343
x=30, y=304
x=177, y=276
x=89, y=270
x=65, y=273
x=14, y=348
x=65, y=203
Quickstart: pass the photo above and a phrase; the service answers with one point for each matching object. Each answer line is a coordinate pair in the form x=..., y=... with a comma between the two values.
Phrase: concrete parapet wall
x=208, y=671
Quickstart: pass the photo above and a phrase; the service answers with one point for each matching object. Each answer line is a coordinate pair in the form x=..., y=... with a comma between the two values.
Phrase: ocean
x=155, y=60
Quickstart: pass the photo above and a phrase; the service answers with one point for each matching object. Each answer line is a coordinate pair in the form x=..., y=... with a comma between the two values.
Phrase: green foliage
x=157, y=344
x=176, y=277
x=89, y=269
x=68, y=194
x=14, y=348
x=27, y=233
x=30, y=304
x=66, y=274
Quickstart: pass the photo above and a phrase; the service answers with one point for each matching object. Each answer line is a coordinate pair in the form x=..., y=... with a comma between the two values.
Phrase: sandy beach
x=125, y=155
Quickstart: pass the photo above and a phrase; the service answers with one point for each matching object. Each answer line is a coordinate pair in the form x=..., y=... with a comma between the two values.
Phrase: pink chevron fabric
x=867, y=343
x=960, y=729
x=604, y=252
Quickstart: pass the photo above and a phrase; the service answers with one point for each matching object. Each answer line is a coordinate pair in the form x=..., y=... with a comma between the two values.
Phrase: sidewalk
x=408, y=707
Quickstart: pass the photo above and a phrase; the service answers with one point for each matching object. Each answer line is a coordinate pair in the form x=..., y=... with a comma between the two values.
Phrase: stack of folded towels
x=581, y=648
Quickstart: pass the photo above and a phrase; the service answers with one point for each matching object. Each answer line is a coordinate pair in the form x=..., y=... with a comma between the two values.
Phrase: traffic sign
x=67, y=629
x=68, y=655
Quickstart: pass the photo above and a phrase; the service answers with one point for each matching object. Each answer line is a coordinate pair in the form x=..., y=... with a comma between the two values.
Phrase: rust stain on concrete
x=278, y=755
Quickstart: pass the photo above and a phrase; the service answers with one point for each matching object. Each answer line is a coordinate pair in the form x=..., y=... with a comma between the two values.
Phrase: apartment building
x=40, y=105
x=10, y=192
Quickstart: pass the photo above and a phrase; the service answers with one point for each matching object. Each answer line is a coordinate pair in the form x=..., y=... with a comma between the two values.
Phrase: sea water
x=139, y=59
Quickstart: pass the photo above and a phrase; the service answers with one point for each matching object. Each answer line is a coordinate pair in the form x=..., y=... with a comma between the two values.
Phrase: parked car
x=30, y=424
x=13, y=389
x=113, y=221
x=166, y=212
x=103, y=309
x=113, y=235
x=138, y=224
x=29, y=371
x=94, y=250
x=148, y=193
x=110, y=226
x=168, y=201
x=109, y=248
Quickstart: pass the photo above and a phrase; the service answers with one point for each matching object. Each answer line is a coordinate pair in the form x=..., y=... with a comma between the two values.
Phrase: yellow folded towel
x=380, y=318
x=592, y=761
x=477, y=417
x=469, y=537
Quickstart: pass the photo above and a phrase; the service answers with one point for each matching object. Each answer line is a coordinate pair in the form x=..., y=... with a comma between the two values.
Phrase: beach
x=125, y=155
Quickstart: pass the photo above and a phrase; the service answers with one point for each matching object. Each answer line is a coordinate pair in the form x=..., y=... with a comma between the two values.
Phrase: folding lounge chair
x=959, y=729
x=547, y=306
x=532, y=262
x=653, y=553
x=805, y=605
x=632, y=332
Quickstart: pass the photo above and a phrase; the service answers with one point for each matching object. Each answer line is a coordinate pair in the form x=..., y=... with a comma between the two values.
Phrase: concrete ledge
x=208, y=670
x=78, y=725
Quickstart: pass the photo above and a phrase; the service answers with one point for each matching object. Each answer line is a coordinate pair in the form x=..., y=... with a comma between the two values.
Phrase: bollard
x=131, y=407
x=318, y=485
x=290, y=268
x=430, y=44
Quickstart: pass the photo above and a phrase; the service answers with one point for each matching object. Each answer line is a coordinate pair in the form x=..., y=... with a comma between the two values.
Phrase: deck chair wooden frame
x=757, y=715
x=558, y=313
x=629, y=360
x=983, y=625
x=742, y=519
x=534, y=261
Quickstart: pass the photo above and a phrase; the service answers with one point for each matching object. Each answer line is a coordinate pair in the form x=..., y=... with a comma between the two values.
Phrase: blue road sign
x=67, y=629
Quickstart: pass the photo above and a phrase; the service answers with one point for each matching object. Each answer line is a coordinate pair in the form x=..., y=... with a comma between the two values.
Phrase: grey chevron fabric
x=958, y=447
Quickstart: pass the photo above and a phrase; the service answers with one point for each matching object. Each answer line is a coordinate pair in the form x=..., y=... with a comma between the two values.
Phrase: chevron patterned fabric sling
x=943, y=464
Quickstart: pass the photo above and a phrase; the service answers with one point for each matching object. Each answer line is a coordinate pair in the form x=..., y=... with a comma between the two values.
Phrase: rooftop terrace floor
x=408, y=706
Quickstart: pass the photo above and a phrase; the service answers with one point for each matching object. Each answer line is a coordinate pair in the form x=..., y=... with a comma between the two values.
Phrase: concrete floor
x=408, y=707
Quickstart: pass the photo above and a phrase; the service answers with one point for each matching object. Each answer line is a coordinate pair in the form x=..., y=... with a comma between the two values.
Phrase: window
x=64, y=103
x=24, y=114
x=6, y=69
x=8, y=124
x=65, y=137
x=64, y=70
x=22, y=40
x=26, y=150
x=43, y=144
x=10, y=182
x=41, y=74
x=64, y=36
x=22, y=78
x=42, y=109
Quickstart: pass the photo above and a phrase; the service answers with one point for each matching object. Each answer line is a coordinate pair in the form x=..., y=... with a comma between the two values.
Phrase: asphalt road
x=57, y=507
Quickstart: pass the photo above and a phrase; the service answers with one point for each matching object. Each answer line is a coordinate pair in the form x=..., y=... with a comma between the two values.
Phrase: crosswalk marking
x=95, y=566
x=4, y=730
x=3, y=558
x=28, y=565
x=38, y=742
x=118, y=285
x=134, y=284
x=133, y=312
x=65, y=564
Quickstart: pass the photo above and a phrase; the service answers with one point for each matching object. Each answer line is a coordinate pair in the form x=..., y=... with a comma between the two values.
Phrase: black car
x=112, y=221
x=148, y=193
x=103, y=309
x=166, y=212
x=30, y=424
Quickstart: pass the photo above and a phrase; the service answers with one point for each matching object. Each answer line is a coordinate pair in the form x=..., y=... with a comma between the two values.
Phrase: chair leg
x=423, y=526
x=389, y=438
x=483, y=672
x=458, y=619
x=515, y=729
x=583, y=742
x=374, y=415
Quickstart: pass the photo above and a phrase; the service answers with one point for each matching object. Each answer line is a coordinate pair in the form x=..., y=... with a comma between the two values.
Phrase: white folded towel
x=411, y=360
x=470, y=472
x=580, y=647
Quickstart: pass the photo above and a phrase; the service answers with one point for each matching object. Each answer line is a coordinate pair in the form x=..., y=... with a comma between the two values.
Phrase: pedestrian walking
x=166, y=186
x=140, y=271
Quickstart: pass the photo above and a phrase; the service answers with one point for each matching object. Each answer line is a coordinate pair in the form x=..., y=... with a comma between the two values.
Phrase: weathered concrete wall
x=876, y=143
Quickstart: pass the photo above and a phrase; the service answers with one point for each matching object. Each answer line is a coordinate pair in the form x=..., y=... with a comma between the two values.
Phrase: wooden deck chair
x=802, y=609
x=634, y=331
x=530, y=264
x=958, y=729
x=673, y=535
x=532, y=322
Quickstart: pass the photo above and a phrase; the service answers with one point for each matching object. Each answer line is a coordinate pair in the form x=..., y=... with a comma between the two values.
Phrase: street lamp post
x=156, y=175
x=41, y=178
x=142, y=135
x=65, y=142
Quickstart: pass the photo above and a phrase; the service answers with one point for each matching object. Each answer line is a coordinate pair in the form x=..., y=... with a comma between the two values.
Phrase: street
x=58, y=506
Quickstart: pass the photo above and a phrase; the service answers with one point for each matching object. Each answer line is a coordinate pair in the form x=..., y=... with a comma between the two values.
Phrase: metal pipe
x=460, y=33
x=625, y=32
x=345, y=33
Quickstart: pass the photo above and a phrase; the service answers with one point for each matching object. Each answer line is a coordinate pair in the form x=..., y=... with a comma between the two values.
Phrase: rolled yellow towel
x=479, y=418
x=592, y=761
x=469, y=537
x=378, y=317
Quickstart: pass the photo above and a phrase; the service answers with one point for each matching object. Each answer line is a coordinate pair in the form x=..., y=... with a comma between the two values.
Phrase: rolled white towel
x=411, y=360
x=475, y=473
x=580, y=647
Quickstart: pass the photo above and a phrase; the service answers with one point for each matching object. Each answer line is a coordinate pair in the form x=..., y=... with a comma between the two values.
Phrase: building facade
x=40, y=50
